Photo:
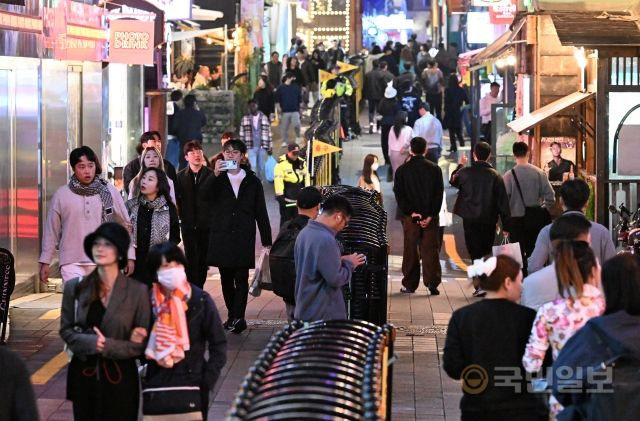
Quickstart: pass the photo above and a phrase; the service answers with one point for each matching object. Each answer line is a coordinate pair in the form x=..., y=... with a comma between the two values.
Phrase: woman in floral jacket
x=578, y=273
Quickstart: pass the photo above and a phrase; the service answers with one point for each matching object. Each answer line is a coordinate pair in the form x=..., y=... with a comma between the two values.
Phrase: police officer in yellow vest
x=290, y=176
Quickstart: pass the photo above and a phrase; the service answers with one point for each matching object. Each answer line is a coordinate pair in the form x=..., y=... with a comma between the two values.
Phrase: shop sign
x=21, y=23
x=487, y=3
x=251, y=13
x=503, y=14
x=131, y=41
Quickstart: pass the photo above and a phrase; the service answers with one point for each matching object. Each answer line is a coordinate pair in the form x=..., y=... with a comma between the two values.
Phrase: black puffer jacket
x=233, y=221
x=482, y=196
x=205, y=332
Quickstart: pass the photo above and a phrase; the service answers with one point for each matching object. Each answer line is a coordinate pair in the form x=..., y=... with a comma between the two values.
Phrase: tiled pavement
x=421, y=389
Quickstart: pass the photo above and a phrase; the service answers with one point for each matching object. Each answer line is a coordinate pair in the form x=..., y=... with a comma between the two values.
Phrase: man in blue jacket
x=321, y=271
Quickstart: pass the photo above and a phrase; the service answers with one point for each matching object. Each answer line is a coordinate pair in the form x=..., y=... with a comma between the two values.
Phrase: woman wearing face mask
x=186, y=326
x=369, y=179
x=150, y=158
x=490, y=335
x=263, y=96
x=154, y=218
x=104, y=322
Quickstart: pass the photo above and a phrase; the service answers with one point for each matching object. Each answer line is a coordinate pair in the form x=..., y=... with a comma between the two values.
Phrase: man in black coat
x=188, y=124
x=374, y=86
x=237, y=203
x=193, y=208
x=149, y=139
x=418, y=188
x=482, y=198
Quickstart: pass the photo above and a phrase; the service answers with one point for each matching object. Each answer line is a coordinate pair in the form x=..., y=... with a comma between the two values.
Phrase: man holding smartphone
x=237, y=204
x=418, y=188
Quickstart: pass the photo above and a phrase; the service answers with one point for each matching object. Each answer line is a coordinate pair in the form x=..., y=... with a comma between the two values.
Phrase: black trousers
x=287, y=213
x=196, y=245
x=235, y=290
x=433, y=154
x=373, y=107
x=435, y=103
x=521, y=230
x=485, y=131
x=384, y=142
x=455, y=134
x=479, y=236
x=420, y=243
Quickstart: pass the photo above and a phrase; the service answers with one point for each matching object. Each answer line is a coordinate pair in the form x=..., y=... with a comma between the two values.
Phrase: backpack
x=282, y=263
x=432, y=81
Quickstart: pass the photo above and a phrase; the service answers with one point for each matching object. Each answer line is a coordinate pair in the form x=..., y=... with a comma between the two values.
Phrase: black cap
x=116, y=234
x=308, y=198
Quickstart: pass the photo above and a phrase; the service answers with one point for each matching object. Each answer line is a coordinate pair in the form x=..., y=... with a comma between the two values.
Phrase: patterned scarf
x=169, y=337
x=97, y=187
x=160, y=220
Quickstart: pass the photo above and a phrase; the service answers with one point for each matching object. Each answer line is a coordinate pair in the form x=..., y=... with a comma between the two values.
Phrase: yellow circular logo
x=474, y=379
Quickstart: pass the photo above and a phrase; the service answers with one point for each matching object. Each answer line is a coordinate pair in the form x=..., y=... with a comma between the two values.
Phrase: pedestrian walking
x=263, y=96
x=290, y=177
x=273, y=70
x=433, y=81
x=293, y=67
x=392, y=63
x=429, y=128
x=237, y=204
x=454, y=99
x=369, y=179
x=173, y=150
x=255, y=132
x=18, y=402
x=103, y=322
x=318, y=64
x=530, y=198
x=491, y=335
x=150, y=158
x=556, y=322
x=374, y=86
x=410, y=100
x=482, y=199
x=193, y=208
x=389, y=108
x=154, y=218
x=575, y=197
x=188, y=124
x=485, y=106
x=418, y=188
x=149, y=139
x=400, y=137
x=321, y=271
x=288, y=102
x=309, y=76
x=186, y=320
x=281, y=256
x=76, y=210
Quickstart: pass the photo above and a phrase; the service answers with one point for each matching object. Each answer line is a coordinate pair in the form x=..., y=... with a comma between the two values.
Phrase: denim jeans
x=286, y=121
x=257, y=159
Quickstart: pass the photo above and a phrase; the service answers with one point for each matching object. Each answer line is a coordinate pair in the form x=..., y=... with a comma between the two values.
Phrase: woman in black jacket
x=389, y=107
x=263, y=96
x=454, y=98
x=173, y=380
x=237, y=203
x=486, y=341
x=154, y=218
x=294, y=67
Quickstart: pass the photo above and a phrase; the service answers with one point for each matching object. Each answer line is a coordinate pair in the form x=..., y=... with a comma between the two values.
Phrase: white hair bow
x=482, y=267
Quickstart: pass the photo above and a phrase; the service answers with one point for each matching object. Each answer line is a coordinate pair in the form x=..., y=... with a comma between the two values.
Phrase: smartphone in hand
x=229, y=164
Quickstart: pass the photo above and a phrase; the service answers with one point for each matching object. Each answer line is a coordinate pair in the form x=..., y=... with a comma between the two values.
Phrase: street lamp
x=581, y=58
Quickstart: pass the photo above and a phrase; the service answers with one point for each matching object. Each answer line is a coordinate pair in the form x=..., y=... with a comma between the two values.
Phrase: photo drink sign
x=131, y=41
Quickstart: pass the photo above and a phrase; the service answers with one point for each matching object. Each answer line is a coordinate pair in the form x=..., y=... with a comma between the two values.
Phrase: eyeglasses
x=232, y=151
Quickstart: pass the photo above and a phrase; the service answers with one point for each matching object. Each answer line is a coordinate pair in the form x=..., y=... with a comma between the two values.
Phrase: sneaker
x=434, y=291
x=406, y=290
x=239, y=326
x=479, y=293
x=228, y=324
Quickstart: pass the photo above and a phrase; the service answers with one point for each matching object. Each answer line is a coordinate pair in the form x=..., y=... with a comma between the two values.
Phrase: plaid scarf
x=169, y=337
x=160, y=220
x=97, y=187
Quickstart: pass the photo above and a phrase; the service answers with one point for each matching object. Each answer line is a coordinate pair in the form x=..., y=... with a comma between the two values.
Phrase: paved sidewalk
x=421, y=390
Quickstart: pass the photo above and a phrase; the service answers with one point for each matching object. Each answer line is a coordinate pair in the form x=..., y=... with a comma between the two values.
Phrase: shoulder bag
x=537, y=217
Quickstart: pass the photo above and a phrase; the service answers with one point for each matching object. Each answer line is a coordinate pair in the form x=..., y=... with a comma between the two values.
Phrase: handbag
x=270, y=169
x=509, y=249
x=262, y=270
x=537, y=217
x=183, y=403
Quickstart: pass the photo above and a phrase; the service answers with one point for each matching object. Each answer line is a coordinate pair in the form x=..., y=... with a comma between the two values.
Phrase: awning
x=217, y=34
x=538, y=116
x=597, y=29
x=500, y=48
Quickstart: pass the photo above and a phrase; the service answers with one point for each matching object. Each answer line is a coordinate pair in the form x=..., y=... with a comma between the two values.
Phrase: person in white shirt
x=400, y=137
x=429, y=128
x=485, y=110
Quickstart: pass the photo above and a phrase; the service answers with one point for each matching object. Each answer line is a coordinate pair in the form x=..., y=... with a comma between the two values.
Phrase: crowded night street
x=319, y=210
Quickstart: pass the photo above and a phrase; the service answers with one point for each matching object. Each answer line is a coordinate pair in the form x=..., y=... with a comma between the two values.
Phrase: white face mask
x=374, y=166
x=171, y=278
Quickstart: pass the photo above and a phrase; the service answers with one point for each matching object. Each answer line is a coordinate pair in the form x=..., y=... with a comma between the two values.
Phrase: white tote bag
x=510, y=249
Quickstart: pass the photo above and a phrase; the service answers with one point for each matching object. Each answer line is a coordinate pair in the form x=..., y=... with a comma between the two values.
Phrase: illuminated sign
x=86, y=32
x=487, y=3
x=22, y=23
x=131, y=41
x=503, y=14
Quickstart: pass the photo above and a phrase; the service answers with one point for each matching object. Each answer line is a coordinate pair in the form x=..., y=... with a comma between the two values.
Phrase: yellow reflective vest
x=287, y=180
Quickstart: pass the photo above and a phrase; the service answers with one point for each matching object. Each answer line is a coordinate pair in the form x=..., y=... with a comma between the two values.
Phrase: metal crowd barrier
x=326, y=370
